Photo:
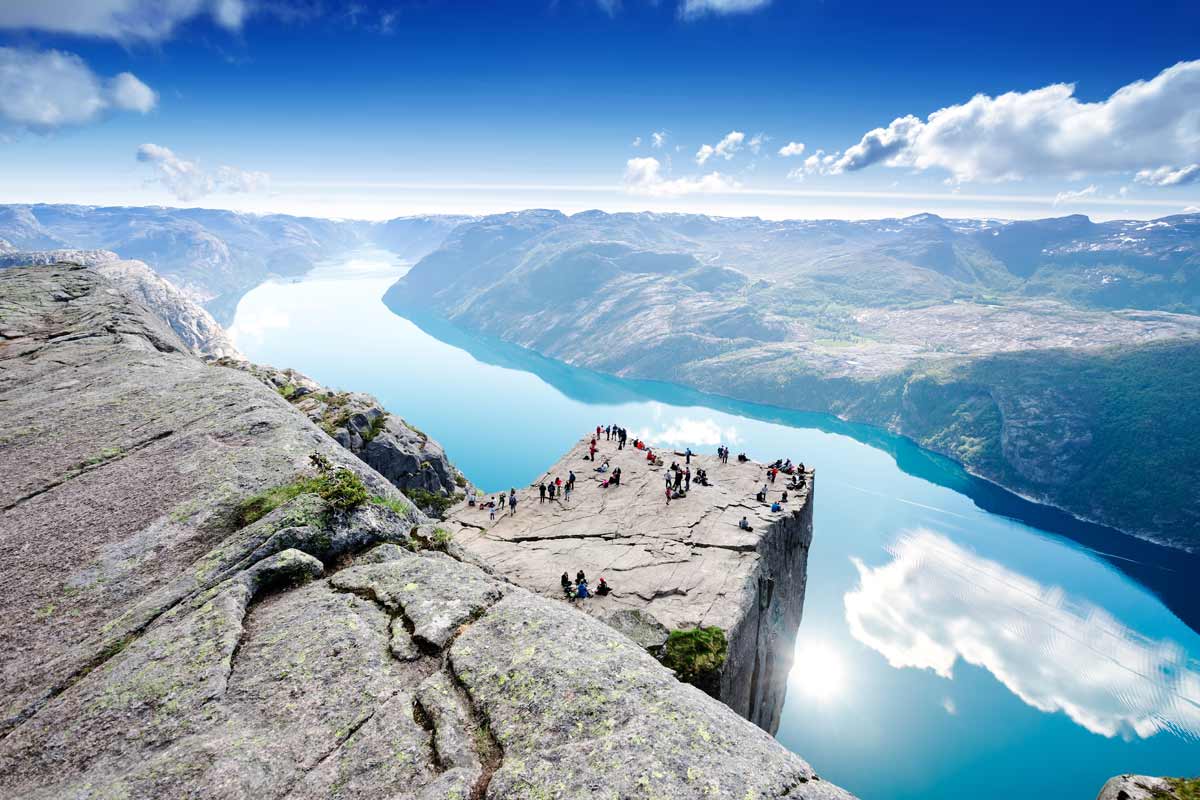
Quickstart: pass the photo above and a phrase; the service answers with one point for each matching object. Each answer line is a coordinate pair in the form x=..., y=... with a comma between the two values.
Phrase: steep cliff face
x=206, y=596
x=762, y=646
x=674, y=567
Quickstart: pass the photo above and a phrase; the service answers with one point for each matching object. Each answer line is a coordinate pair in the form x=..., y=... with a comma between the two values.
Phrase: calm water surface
x=957, y=642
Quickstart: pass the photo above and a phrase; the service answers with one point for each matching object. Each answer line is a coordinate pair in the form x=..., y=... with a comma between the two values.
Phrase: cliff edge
x=673, y=567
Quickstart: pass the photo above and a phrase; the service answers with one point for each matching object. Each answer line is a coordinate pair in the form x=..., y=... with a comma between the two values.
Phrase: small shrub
x=288, y=392
x=377, y=425
x=697, y=655
x=395, y=504
x=460, y=480
x=441, y=539
x=339, y=487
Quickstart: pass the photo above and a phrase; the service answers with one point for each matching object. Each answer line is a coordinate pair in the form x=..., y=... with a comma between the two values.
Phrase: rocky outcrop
x=192, y=610
x=672, y=567
x=195, y=326
x=406, y=456
x=1144, y=787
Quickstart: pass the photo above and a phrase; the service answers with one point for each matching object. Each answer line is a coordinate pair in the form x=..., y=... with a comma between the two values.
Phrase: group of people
x=551, y=490
x=579, y=589
x=678, y=480
x=494, y=504
x=612, y=432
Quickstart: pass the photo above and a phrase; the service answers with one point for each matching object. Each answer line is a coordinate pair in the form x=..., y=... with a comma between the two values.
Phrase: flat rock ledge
x=156, y=645
x=671, y=566
x=1145, y=787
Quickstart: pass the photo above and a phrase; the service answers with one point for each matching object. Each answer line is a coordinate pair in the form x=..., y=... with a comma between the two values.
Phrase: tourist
x=542, y=493
x=492, y=510
x=512, y=501
x=571, y=480
x=616, y=476
x=567, y=492
x=784, y=498
x=776, y=507
x=471, y=496
x=566, y=581
x=742, y=459
x=581, y=590
x=687, y=455
x=580, y=577
x=668, y=491
x=687, y=479
x=602, y=587
x=745, y=524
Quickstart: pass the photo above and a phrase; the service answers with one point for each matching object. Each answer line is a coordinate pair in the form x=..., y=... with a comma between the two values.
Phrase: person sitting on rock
x=761, y=496
x=745, y=524
x=603, y=466
x=742, y=458
x=784, y=498
x=602, y=587
x=566, y=581
x=616, y=477
x=649, y=455
x=580, y=577
x=581, y=590
x=776, y=507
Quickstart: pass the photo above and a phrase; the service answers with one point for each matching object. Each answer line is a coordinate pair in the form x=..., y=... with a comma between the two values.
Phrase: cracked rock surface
x=155, y=646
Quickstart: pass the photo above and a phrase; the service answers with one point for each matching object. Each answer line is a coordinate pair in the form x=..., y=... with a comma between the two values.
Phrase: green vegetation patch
x=339, y=487
x=1184, y=789
x=697, y=655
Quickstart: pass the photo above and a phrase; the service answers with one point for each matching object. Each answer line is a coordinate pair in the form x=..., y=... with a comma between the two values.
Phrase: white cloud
x=1166, y=176
x=127, y=92
x=1070, y=197
x=949, y=706
x=658, y=139
x=937, y=602
x=644, y=176
x=723, y=149
x=187, y=180
x=690, y=9
x=791, y=149
x=637, y=141
x=757, y=141
x=1046, y=131
x=42, y=90
x=150, y=20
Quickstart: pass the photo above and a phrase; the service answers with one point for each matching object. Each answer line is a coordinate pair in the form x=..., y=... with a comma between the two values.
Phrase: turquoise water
x=957, y=641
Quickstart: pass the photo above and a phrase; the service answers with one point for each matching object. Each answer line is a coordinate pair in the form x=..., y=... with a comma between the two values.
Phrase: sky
x=772, y=108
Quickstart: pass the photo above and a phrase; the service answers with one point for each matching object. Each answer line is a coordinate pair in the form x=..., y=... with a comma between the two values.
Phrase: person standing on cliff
x=571, y=480
x=668, y=491
x=687, y=456
x=542, y=494
x=687, y=479
x=512, y=501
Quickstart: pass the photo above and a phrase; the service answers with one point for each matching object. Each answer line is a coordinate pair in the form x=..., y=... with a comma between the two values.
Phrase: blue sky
x=380, y=109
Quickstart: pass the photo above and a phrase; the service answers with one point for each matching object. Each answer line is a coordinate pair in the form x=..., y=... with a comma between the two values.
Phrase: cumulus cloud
x=187, y=180
x=1142, y=127
x=637, y=141
x=723, y=149
x=42, y=90
x=757, y=141
x=658, y=139
x=691, y=9
x=644, y=176
x=937, y=602
x=126, y=20
x=791, y=149
x=1069, y=197
x=1167, y=176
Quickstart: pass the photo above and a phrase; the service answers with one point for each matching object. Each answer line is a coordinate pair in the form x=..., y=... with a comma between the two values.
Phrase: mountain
x=207, y=596
x=214, y=256
x=1033, y=352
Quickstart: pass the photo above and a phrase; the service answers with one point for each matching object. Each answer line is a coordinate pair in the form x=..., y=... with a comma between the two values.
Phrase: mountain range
x=1057, y=357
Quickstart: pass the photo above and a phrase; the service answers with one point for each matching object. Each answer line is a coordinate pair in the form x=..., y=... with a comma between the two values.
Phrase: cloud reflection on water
x=937, y=602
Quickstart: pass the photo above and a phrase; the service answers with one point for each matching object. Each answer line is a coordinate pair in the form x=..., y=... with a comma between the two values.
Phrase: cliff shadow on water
x=1167, y=572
